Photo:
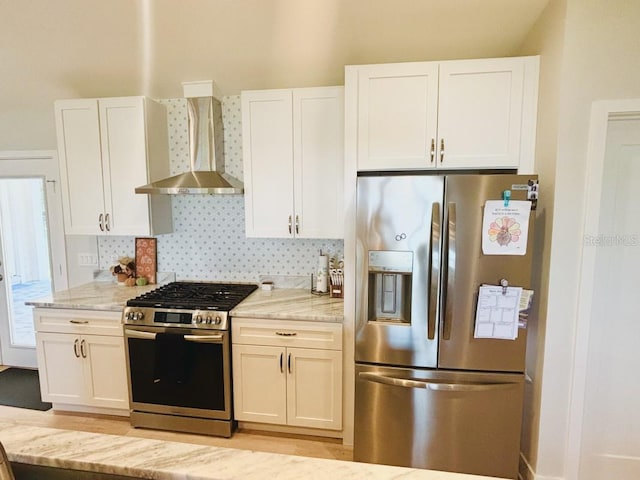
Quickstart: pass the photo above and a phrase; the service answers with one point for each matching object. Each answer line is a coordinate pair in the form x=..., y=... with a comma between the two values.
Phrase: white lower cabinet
x=80, y=365
x=278, y=379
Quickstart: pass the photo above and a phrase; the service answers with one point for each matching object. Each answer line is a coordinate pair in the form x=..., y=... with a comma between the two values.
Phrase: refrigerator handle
x=451, y=272
x=434, y=385
x=434, y=267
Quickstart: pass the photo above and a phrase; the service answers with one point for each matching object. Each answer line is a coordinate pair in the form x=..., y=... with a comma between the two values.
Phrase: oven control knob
x=209, y=319
x=198, y=318
x=138, y=315
x=218, y=320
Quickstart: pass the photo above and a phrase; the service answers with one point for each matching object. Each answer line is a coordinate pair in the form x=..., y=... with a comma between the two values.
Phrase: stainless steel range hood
x=206, y=156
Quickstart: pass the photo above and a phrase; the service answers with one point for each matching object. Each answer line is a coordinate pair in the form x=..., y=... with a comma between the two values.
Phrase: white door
x=61, y=368
x=318, y=161
x=610, y=440
x=78, y=133
x=314, y=388
x=105, y=371
x=259, y=384
x=124, y=164
x=32, y=255
x=397, y=115
x=479, y=113
x=267, y=149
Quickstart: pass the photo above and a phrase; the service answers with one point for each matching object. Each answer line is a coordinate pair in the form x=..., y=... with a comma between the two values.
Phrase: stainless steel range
x=178, y=356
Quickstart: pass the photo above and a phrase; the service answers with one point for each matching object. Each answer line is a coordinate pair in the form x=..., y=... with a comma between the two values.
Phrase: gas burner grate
x=195, y=296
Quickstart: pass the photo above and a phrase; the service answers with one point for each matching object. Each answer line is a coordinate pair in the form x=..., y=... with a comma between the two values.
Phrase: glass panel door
x=25, y=257
x=32, y=247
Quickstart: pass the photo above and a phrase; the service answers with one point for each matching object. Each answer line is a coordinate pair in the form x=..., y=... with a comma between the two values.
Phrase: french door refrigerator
x=429, y=394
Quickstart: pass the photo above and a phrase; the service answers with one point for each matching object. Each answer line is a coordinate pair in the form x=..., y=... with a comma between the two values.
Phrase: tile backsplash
x=208, y=240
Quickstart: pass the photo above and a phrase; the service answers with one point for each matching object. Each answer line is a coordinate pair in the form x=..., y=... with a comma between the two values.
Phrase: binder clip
x=504, y=284
x=506, y=196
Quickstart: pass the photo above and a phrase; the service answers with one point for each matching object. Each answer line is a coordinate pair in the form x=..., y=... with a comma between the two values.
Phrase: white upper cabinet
x=397, y=115
x=459, y=114
x=293, y=154
x=107, y=147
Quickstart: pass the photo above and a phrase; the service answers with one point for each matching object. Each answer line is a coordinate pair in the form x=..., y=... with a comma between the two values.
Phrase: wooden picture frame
x=147, y=258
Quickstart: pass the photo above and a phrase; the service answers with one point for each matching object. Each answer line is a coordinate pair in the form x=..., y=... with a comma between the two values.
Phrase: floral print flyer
x=505, y=227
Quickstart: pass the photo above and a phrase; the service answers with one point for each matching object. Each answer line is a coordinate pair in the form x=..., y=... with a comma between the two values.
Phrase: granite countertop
x=155, y=459
x=108, y=296
x=291, y=304
x=280, y=303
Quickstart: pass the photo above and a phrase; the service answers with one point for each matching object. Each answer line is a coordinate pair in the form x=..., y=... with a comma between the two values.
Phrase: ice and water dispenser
x=390, y=277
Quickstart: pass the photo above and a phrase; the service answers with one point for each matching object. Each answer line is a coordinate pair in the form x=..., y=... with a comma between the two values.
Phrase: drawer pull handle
x=79, y=322
x=287, y=334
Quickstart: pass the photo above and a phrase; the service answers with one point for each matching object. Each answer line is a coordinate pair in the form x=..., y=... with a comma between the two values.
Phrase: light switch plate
x=87, y=260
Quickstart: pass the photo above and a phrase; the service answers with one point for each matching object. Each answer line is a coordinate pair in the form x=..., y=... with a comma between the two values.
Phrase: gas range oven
x=179, y=356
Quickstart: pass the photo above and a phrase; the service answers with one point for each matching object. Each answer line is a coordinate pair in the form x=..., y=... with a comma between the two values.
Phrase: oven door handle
x=204, y=338
x=189, y=338
x=139, y=334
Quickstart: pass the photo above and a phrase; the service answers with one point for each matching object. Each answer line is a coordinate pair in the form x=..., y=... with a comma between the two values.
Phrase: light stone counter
x=154, y=459
x=107, y=296
x=291, y=304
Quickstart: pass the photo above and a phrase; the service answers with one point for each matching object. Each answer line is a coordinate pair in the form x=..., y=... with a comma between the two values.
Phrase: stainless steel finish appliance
x=178, y=356
x=429, y=394
x=206, y=155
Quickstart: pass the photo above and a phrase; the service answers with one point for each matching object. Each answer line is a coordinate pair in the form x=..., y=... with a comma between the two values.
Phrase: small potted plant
x=125, y=269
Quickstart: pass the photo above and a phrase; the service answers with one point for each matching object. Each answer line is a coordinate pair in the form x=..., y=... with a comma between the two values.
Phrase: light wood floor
x=245, y=440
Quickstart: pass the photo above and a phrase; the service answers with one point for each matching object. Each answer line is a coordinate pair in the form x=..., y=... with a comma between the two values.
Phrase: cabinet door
x=124, y=153
x=318, y=152
x=314, y=388
x=397, y=116
x=259, y=384
x=105, y=371
x=480, y=113
x=267, y=145
x=60, y=366
x=80, y=158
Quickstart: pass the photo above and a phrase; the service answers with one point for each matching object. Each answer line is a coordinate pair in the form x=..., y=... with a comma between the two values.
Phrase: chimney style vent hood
x=206, y=155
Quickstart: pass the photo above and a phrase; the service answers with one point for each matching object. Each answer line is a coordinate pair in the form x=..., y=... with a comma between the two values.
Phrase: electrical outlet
x=87, y=260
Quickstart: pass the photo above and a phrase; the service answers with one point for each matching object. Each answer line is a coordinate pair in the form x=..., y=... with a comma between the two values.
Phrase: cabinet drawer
x=286, y=333
x=77, y=321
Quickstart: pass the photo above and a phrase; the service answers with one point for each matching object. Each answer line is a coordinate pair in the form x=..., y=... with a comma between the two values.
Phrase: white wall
x=547, y=40
x=599, y=61
x=91, y=48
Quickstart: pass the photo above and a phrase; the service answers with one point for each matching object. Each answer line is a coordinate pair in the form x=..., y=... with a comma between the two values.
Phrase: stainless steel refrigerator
x=429, y=394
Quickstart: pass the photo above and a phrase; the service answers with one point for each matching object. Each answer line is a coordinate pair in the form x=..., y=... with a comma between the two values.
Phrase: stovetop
x=195, y=296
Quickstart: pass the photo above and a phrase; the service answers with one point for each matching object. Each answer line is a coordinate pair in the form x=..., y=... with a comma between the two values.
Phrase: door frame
x=44, y=164
x=601, y=113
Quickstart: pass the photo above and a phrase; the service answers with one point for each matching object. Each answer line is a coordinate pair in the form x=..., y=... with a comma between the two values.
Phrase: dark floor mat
x=20, y=387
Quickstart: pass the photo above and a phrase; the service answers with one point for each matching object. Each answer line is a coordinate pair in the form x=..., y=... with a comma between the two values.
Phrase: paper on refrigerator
x=498, y=312
x=505, y=228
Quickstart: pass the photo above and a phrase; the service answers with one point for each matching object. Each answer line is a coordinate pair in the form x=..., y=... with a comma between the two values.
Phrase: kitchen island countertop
x=291, y=304
x=162, y=460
